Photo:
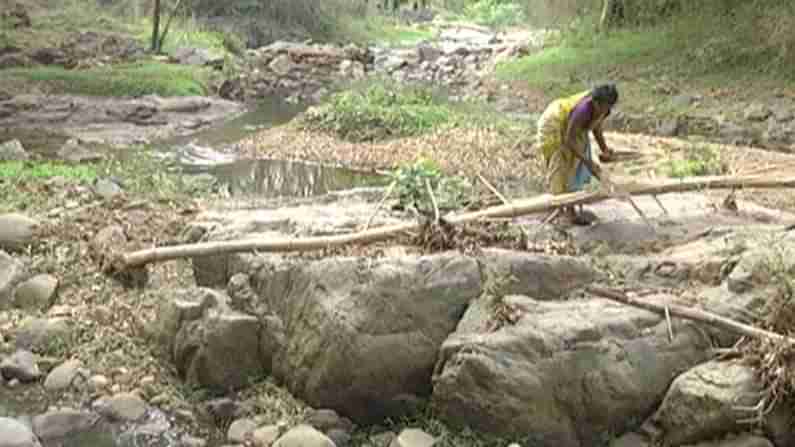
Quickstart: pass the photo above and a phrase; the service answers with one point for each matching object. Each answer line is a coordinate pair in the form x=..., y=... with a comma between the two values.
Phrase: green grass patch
x=45, y=170
x=120, y=80
x=572, y=64
x=383, y=30
x=384, y=109
x=699, y=160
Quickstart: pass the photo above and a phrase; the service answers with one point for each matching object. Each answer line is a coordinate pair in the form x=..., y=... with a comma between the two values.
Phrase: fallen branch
x=381, y=203
x=493, y=189
x=436, y=215
x=513, y=209
x=690, y=313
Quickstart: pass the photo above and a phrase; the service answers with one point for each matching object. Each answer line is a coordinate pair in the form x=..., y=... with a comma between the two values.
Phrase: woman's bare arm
x=569, y=141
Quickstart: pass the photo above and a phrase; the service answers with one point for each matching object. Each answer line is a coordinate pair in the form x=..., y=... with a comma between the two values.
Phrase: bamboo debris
x=512, y=209
x=690, y=313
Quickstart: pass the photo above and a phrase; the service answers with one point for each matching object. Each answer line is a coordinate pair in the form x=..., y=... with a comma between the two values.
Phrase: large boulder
x=221, y=350
x=565, y=374
x=540, y=277
x=700, y=405
x=363, y=339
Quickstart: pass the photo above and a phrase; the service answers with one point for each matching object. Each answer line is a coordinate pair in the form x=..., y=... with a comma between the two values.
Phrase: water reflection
x=279, y=178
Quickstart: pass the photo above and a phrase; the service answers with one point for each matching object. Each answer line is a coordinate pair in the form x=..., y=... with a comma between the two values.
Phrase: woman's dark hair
x=605, y=94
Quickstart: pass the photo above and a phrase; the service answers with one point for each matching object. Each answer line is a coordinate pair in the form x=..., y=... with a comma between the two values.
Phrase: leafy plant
x=495, y=12
x=699, y=160
x=411, y=186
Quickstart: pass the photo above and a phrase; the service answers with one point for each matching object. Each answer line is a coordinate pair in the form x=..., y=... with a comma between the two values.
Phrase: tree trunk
x=156, y=26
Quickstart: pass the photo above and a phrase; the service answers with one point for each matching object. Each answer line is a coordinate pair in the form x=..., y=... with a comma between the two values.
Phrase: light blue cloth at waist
x=583, y=175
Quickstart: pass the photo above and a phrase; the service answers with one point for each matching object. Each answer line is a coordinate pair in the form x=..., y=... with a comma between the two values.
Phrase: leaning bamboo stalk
x=513, y=209
x=690, y=313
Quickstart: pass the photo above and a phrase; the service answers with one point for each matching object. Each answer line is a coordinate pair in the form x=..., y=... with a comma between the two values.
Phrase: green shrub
x=411, y=185
x=380, y=111
x=495, y=13
x=699, y=160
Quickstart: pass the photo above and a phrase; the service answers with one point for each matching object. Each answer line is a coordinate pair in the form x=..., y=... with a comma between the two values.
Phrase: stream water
x=203, y=153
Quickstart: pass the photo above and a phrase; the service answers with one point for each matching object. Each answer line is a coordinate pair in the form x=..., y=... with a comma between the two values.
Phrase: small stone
x=304, y=436
x=413, y=437
x=757, y=112
x=383, y=439
x=240, y=430
x=122, y=407
x=16, y=231
x=43, y=334
x=13, y=151
x=326, y=419
x=21, y=366
x=107, y=189
x=37, y=293
x=64, y=376
x=98, y=383
x=266, y=436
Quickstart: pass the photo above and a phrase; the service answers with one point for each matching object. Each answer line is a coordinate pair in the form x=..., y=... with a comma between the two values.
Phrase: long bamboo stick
x=513, y=209
x=689, y=313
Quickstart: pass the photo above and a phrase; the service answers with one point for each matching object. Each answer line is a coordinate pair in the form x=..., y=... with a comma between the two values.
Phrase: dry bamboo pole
x=513, y=209
x=690, y=313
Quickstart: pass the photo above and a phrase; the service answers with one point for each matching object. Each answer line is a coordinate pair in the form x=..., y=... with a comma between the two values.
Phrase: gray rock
x=538, y=276
x=177, y=308
x=127, y=407
x=565, y=373
x=668, y=127
x=413, y=437
x=304, y=436
x=43, y=334
x=16, y=434
x=266, y=436
x=388, y=319
x=281, y=64
x=13, y=151
x=107, y=188
x=16, y=231
x=340, y=438
x=21, y=366
x=682, y=101
x=756, y=112
x=11, y=273
x=68, y=374
x=700, y=403
x=241, y=430
x=222, y=409
x=326, y=419
x=220, y=350
x=58, y=424
x=37, y=293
